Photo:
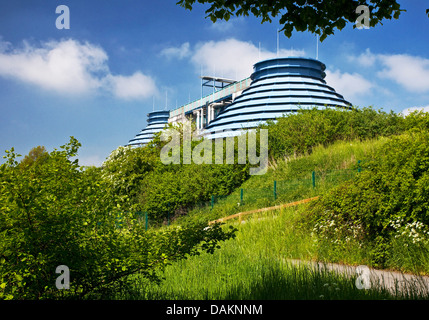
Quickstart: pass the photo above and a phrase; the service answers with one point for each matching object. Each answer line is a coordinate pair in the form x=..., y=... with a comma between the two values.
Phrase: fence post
x=241, y=196
x=146, y=219
x=213, y=199
x=359, y=169
x=168, y=213
x=275, y=190
x=313, y=178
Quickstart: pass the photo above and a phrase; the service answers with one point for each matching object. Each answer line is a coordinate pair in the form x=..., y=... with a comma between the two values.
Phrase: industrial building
x=156, y=121
x=276, y=87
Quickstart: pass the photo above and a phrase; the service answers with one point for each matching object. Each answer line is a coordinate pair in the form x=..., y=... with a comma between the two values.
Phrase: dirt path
x=371, y=278
x=367, y=278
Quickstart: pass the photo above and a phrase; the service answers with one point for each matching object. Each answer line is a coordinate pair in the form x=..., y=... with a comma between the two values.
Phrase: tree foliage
x=127, y=167
x=139, y=176
x=57, y=213
x=54, y=212
x=36, y=154
x=297, y=133
x=320, y=17
x=388, y=200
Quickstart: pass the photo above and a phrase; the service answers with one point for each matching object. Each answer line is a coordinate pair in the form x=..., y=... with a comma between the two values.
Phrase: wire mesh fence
x=268, y=194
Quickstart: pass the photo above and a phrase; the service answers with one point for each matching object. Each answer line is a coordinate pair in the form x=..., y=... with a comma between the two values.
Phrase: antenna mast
x=277, y=43
x=317, y=47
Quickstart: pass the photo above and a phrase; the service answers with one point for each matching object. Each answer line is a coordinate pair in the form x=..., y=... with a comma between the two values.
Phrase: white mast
x=317, y=47
x=277, y=43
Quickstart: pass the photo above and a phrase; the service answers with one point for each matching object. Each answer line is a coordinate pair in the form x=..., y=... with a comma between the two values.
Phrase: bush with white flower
x=387, y=203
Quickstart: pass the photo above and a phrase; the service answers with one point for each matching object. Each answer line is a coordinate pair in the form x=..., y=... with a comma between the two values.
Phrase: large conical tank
x=156, y=122
x=279, y=86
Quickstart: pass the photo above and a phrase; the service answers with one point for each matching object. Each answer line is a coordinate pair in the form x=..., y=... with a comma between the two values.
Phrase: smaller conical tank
x=156, y=122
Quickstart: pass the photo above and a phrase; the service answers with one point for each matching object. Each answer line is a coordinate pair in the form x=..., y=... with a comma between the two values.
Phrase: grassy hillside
x=252, y=266
x=333, y=154
x=255, y=264
x=384, y=211
x=166, y=191
x=332, y=165
x=369, y=168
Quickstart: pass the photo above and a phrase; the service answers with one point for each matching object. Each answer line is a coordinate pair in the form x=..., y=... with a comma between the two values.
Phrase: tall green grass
x=332, y=165
x=255, y=266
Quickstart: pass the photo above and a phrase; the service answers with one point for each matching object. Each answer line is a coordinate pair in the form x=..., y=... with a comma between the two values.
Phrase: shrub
x=385, y=201
x=56, y=213
x=298, y=133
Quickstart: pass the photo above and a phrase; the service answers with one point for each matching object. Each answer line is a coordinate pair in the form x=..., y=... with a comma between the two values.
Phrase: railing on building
x=216, y=96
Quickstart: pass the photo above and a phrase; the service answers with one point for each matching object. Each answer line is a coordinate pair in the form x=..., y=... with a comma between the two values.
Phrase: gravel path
x=371, y=278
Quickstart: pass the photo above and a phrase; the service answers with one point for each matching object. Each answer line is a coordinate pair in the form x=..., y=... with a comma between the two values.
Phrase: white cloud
x=232, y=58
x=411, y=72
x=407, y=111
x=67, y=67
x=228, y=58
x=4, y=45
x=366, y=59
x=93, y=160
x=223, y=26
x=132, y=87
x=177, y=52
x=350, y=85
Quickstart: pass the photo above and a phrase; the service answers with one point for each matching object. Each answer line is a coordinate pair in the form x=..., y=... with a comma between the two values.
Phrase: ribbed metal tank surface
x=156, y=122
x=279, y=86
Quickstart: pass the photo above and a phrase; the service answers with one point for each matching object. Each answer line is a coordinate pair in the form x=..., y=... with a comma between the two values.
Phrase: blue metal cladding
x=279, y=86
x=156, y=122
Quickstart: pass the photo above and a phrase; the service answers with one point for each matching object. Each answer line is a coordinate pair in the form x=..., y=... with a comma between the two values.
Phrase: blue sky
x=97, y=80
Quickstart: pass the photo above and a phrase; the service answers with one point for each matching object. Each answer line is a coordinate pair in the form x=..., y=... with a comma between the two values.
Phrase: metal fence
x=273, y=193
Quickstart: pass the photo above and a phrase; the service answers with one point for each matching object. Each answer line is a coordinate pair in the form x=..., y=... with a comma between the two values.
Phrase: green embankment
x=370, y=170
x=293, y=176
x=255, y=265
x=355, y=161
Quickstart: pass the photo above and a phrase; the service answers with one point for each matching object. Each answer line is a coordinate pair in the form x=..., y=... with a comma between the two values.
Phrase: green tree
x=297, y=133
x=126, y=168
x=58, y=213
x=36, y=154
x=320, y=17
x=385, y=201
x=173, y=189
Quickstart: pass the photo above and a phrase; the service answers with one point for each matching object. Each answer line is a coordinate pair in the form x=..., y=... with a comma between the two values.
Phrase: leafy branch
x=316, y=16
